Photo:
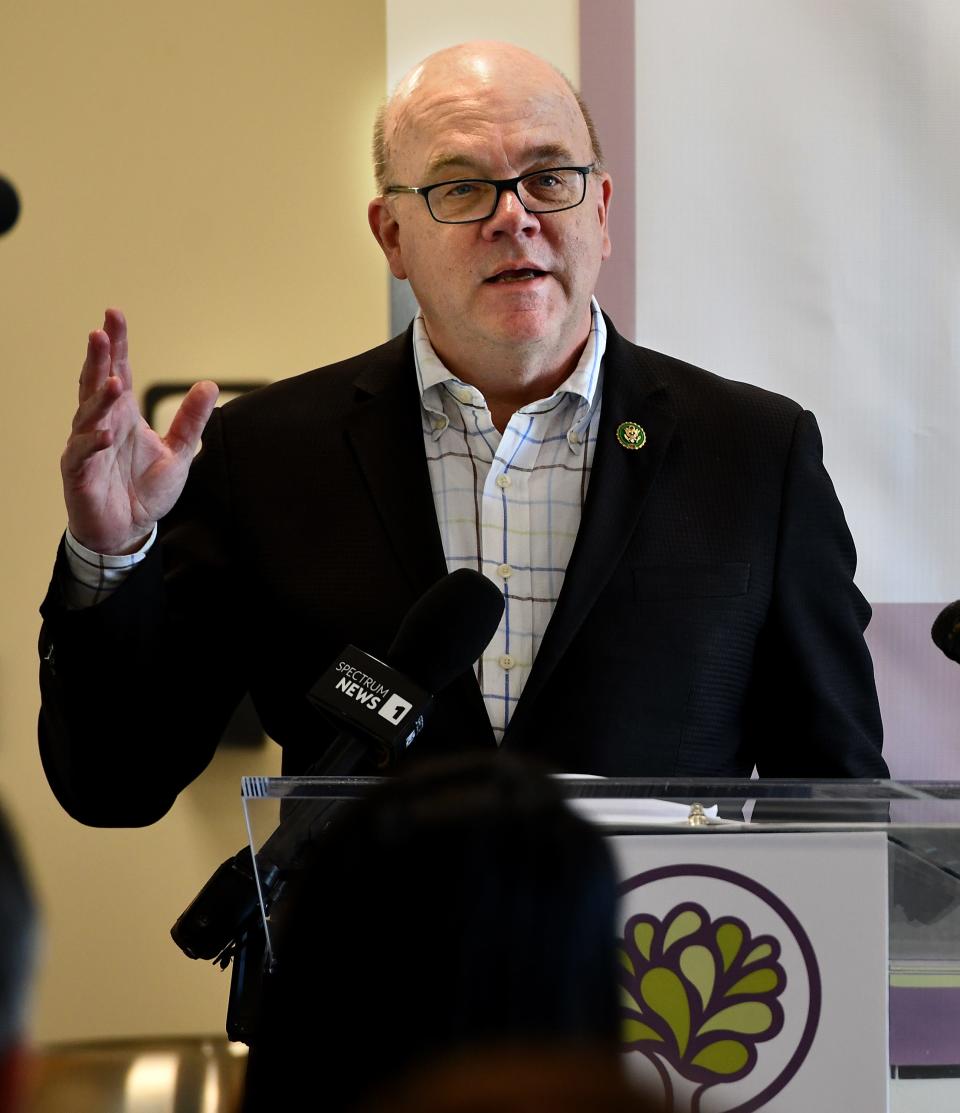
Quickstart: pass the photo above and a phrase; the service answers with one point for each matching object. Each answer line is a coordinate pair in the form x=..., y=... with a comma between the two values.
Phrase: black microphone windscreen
x=9, y=206
x=447, y=629
x=946, y=631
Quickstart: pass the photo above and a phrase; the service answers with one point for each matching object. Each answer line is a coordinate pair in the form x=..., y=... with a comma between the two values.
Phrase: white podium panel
x=755, y=968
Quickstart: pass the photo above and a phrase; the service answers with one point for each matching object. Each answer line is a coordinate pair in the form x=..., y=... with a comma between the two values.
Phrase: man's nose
x=510, y=217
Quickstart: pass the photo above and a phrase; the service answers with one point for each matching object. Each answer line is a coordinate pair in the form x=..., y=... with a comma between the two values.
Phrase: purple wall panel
x=607, y=57
x=919, y=693
x=924, y=1026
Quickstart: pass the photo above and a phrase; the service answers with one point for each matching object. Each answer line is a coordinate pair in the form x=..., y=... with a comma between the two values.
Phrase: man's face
x=515, y=280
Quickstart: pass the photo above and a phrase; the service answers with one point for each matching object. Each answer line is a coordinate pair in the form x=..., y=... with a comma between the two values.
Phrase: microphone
x=946, y=631
x=464, y=608
x=9, y=206
x=379, y=702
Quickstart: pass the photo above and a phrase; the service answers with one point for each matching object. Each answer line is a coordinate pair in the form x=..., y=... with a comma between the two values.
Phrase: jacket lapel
x=385, y=434
x=619, y=482
x=386, y=437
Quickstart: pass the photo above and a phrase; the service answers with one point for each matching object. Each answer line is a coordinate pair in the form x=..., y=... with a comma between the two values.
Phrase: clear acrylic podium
x=878, y=868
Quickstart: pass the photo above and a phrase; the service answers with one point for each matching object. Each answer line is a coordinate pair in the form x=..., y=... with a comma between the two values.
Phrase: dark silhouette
x=18, y=945
x=462, y=905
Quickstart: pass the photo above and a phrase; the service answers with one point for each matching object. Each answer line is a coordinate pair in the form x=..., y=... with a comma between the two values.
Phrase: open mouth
x=524, y=275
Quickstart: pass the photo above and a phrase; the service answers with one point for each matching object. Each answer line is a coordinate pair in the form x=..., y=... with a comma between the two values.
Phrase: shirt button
x=506, y=661
x=573, y=438
x=504, y=480
x=504, y=571
x=439, y=423
x=463, y=394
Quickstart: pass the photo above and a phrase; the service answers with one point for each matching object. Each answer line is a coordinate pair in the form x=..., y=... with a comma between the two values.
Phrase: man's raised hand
x=119, y=477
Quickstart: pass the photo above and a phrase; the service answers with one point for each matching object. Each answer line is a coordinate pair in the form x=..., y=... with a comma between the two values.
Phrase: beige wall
x=205, y=166
x=416, y=28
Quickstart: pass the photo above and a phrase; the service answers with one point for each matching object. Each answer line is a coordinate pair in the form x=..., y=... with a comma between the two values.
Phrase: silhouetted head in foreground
x=462, y=905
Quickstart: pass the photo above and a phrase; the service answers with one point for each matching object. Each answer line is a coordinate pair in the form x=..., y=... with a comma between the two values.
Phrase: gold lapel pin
x=631, y=435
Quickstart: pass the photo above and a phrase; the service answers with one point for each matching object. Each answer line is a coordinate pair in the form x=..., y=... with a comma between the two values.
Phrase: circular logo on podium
x=720, y=988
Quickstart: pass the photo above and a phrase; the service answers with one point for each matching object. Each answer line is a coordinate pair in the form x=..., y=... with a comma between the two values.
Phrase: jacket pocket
x=691, y=581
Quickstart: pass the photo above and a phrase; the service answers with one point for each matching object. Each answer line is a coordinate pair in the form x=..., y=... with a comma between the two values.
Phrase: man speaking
x=676, y=569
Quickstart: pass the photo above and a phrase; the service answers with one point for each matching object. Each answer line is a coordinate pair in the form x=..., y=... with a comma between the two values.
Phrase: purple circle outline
x=719, y=873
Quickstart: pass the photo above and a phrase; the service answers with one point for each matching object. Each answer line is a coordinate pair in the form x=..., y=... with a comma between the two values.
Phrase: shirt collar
x=582, y=382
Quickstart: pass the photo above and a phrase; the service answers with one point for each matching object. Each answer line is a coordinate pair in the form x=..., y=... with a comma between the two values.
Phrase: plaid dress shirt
x=509, y=505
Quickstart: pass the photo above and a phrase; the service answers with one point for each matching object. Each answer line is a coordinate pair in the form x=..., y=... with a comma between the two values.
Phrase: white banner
x=798, y=226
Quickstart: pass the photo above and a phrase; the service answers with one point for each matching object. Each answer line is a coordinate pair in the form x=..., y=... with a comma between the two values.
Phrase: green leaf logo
x=699, y=993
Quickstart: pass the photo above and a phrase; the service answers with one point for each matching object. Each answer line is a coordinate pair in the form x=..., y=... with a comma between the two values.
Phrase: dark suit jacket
x=708, y=621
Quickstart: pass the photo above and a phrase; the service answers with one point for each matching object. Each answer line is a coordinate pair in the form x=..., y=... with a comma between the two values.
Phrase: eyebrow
x=545, y=152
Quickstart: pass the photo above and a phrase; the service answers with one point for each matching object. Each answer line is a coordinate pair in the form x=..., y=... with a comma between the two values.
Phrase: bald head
x=471, y=73
x=505, y=297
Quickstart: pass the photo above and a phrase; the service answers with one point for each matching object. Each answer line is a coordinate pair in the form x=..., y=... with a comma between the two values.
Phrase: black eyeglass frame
x=500, y=185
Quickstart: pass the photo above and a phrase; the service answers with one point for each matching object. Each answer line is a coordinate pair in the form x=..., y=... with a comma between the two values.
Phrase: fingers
x=80, y=448
x=95, y=408
x=106, y=355
x=96, y=366
x=88, y=436
x=191, y=418
x=115, y=326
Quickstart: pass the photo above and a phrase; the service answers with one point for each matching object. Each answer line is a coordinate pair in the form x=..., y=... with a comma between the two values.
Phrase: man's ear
x=386, y=232
x=603, y=212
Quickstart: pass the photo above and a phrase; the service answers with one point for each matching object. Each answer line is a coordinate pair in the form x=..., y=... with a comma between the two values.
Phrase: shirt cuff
x=94, y=576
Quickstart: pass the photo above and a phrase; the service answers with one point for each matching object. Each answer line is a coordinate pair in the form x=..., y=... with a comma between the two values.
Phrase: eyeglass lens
x=542, y=192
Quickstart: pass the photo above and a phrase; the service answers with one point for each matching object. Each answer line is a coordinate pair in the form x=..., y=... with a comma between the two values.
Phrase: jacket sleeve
x=812, y=708
x=136, y=690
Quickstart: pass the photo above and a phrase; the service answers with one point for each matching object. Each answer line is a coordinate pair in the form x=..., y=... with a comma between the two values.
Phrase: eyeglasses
x=466, y=200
